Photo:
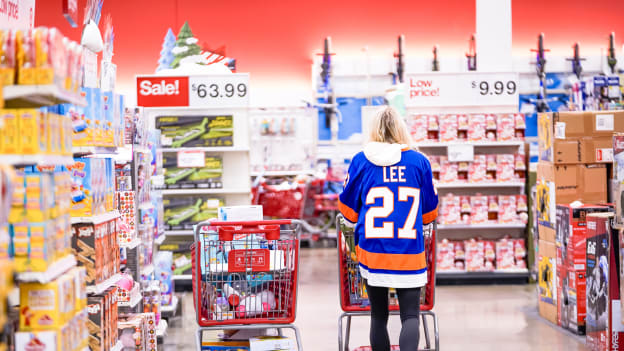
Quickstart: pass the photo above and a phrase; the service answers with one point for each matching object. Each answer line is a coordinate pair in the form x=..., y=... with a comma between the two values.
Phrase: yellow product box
x=67, y=135
x=25, y=58
x=11, y=142
x=33, y=131
x=39, y=196
x=47, y=306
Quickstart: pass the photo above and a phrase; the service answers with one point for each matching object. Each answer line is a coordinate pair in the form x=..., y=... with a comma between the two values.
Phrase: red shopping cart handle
x=251, y=223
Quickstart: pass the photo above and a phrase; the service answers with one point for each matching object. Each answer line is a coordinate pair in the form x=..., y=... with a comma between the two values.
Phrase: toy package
x=475, y=255
x=445, y=256
x=520, y=126
x=462, y=127
x=493, y=209
x=508, y=212
x=196, y=131
x=450, y=209
x=418, y=128
x=465, y=209
x=505, y=127
x=433, y=128
x=448, y=128
x=479, y=209
x=505, y=170
x=164, y=273
x=448, y=170
x=478, y=169
x=476, y=127
x=184, y=212
x=435, y=166
x=7, y=57
x=505, y=260
x=489, y=254
x=209, y=176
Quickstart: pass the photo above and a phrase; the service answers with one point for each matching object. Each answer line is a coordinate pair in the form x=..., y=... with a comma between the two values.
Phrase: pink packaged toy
x=418, y=128
x=435, y=166
x=446, y=257
x=477, y=170
x=474, y=255
x=462, y=127
x=507, y=212
x=493, y=208
x=450, y=209
x=520, y=126
x=505, y=254
x=448, y=171
x=466, y=209
x=489, y=254
x=433, y=128
x=505, y=127
x=448, y=128
x=460, y=255
x=505, y=170
x=479, y=209
x=476, y=127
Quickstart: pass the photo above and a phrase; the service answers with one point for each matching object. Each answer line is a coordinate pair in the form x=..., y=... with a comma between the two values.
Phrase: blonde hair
x=389, y=127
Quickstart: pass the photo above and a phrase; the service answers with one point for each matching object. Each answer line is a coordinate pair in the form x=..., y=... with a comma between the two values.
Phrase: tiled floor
x=470, y=317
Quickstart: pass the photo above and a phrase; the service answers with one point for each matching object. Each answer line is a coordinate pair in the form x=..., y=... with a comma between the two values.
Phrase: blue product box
x=82, y=190
x=108, y=105
x=164, y=273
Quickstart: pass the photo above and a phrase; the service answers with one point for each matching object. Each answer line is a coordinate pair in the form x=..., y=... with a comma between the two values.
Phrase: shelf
x=101, y=287
x=188, y=232
x=481, y=226
x=500, y=277
x=97, y=219
x=147, y=270
x=161, y=329
x=281, y=173
x=131, y=245
x=206, y=149
x=161, y=239
x=473, y=143
x=206, y=191
x=54, y=271
x=118, y=346
x=480, y=185
x=134, y=299
x=97, y=150
x=23, y=96
x=172, y=308
x=36, y=160
x=183, y=277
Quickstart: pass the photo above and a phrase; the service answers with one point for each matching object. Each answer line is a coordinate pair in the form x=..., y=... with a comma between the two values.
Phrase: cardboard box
x=272, y=343
x=604, y=330
x=566, y=151
x=547, y=280
x=563, y=184
x=570, y=125
x=596, y=149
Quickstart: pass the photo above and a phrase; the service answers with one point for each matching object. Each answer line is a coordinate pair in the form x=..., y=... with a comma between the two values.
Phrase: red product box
x=446, y=256
x=433, y=128
x=418, y=128
x=450, y=209
x=479, y=209
x=476, y=127
x=475, y=255
x=505, y=127
x=604, y=328
x=477, y=171
x=505, y=171
x=462, y=127
x=505, y=255
x=448, y=171
x=507, y=212
x=448, y=128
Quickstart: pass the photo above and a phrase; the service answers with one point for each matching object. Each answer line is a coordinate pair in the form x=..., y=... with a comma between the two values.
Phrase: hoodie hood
x=383, y=154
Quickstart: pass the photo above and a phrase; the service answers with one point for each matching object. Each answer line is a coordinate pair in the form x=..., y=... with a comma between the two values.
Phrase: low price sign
x=230, y=90
x=462, y=89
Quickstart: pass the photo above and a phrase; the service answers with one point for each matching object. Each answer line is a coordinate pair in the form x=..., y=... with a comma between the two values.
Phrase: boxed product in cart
x=196, y=131
x=208, y=176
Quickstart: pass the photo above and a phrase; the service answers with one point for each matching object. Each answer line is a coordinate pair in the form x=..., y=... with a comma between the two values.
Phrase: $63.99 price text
x=214, y=90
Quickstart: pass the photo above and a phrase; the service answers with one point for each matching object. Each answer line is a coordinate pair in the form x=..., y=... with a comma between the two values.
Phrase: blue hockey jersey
x=388, y=195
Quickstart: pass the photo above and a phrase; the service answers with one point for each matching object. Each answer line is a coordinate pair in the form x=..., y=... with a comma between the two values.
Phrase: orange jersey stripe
x=430, y=216
x=348, y=212
x=395, y=262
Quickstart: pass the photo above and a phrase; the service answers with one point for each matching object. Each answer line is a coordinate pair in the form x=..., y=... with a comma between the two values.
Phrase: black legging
x=409, y=303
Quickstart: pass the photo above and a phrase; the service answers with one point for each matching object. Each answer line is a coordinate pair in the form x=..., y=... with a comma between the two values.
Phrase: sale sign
x=461, y=89
x=162, y=91
x=218, y=91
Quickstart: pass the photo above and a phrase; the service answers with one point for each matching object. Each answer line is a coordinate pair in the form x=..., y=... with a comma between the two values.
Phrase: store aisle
x=481, y=317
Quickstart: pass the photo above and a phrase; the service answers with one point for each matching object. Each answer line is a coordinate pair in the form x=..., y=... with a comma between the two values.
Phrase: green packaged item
x=207, y=177
x=181, y=213
x=196, y=131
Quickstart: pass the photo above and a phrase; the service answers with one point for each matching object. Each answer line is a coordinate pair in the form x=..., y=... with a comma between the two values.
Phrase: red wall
x=275, y=39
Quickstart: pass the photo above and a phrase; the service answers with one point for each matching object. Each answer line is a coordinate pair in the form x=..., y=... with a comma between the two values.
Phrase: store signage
x=90, y=68
x=191, y=159
x=17, y=14
x=461, y=89
x=70, y=11
x=230, y=90
x=460, y=153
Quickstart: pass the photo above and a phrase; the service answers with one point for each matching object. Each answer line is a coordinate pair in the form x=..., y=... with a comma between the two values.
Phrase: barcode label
x=560, y=130
x=604, y=122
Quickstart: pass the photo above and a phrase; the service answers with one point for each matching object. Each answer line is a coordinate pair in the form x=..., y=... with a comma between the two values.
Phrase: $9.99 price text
x=498, y=87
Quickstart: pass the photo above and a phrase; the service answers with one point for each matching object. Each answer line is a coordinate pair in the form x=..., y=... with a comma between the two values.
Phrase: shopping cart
x=354, y=302
x=245, y=275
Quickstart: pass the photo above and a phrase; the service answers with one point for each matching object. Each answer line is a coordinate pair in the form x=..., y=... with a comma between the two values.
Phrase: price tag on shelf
x=462, y=89
x=460, y=152
x=191, y=159
x=217, y=91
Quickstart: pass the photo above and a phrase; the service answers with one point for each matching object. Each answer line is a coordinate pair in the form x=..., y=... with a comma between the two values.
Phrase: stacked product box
x=467, y=127
x=481, y=209
x=102, y=323
x=574, y=148
x=182, y=213
x=196, y=131
x=208, y=176
x=35, y=132
x=53, y=316
x=571, y=236
x=93, y=186
x=39, y=222
x=96, y=248
x=604, y=330
x=483, y=169
x=478, y=255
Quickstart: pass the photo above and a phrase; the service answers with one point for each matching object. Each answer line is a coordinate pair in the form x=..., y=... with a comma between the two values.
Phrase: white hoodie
x=383, y=154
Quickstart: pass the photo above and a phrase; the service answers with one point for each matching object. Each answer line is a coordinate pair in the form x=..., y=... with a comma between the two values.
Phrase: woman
x=388, y=195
